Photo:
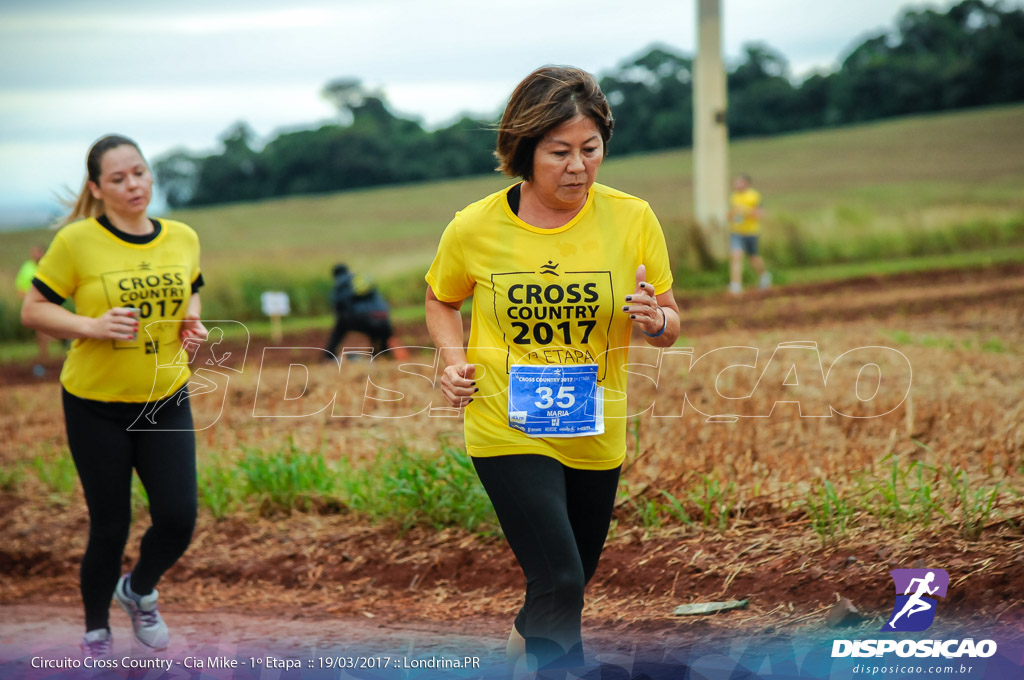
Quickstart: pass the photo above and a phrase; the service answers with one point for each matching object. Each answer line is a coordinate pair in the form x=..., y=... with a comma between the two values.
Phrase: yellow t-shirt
x=744, y=203
x=544, y=297
x=99, y=270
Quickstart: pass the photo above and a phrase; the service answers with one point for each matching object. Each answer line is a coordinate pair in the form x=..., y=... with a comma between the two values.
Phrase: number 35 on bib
x=556, y=401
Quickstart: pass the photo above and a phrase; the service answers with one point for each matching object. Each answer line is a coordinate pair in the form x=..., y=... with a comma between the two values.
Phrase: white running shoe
x=97, y=643
x=149, y=627
x=735, y=287
x=766, y=280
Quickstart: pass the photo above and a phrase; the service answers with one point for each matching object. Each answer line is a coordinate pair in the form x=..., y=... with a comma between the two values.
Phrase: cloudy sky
x=179, y=73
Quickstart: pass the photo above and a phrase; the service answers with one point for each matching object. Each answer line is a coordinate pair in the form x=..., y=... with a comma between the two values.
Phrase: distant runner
x=23, y=283
x=745, y=215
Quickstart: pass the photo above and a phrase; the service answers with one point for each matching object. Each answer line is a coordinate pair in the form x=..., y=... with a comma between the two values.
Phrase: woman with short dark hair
x=561, y=269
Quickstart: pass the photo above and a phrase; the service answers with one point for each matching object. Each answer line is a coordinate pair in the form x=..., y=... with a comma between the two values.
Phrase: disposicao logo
x=914, y=611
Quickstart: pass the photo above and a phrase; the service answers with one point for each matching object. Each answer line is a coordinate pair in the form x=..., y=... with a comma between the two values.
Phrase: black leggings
x=105, y=451
x=556, y=520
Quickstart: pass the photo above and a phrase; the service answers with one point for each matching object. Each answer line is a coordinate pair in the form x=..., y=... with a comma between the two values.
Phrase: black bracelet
x=664, y=324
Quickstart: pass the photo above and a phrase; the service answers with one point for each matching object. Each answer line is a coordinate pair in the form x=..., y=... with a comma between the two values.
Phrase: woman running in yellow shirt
x=134, y=281
x=561, y=269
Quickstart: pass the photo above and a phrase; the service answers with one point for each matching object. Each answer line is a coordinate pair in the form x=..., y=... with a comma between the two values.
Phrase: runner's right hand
x=118, y=323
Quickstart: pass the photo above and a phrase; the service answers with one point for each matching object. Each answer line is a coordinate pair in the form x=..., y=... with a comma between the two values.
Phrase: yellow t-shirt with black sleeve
x=744, y=203
x=549, y=297
x=100, y=267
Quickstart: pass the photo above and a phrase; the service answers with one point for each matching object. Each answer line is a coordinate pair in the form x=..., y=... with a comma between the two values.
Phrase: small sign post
x=275, y=305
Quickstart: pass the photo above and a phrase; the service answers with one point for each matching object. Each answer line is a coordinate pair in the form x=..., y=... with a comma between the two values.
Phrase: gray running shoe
x=97, y=643
x=149, y=627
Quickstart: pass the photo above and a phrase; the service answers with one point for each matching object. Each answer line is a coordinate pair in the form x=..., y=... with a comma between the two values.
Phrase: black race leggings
x=556, y=520
x=105, y=451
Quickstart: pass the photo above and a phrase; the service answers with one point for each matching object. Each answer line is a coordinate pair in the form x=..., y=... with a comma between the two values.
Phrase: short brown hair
x=545, y=99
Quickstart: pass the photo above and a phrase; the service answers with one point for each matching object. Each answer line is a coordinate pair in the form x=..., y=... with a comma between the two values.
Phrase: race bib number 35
x=555, y=401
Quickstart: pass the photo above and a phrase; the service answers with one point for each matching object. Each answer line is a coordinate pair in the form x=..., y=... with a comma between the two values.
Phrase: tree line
x=970, y=55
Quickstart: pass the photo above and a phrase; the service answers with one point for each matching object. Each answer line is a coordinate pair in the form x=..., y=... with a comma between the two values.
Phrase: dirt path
x=328, y=569
x=49, y=628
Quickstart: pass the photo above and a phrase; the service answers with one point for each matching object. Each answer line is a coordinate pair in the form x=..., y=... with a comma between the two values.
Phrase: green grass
x=289, y=325
x=912, y=494
x=841, y=202
x=219, y=489
x=977, y=504
x=906, y=496
x=830, y=513
x=404, y=487
x=675, y=509
x=286, y=480
x=716, y=502
x=437, y=489
x=270, y=483
x=57, y=474
x=991, y=345
x=994, y=346
x=15, y=351
x=959, y=260
x=140, y=499
x=11, y=477
x=709, y=504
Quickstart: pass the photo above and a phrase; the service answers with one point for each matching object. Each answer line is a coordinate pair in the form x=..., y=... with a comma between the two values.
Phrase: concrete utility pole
x=710, y=132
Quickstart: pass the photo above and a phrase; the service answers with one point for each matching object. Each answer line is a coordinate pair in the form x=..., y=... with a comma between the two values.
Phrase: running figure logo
x=914, y=610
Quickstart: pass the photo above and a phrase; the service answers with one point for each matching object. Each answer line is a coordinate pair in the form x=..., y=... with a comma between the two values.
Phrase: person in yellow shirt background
x=135, y=285
x=22, y=283
x=745, y=214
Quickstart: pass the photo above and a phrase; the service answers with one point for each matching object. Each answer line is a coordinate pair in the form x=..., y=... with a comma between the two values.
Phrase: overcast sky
x=179, y=73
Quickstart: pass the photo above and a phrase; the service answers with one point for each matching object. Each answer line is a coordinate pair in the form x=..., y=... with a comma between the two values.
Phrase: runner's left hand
x=193, y=328
x=642, y=305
